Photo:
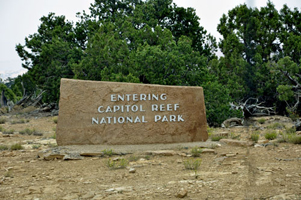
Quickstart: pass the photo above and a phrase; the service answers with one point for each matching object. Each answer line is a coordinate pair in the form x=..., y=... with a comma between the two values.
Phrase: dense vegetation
x=157, y=42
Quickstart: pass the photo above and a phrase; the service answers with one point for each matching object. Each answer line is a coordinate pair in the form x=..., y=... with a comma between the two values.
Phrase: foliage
x=192, y=164
x=55, y=119
x=196, y=152
x=10, y=131
x=276, y=125
x=270, y=135
x=7, y=92
x=108, y=152
x=2, y=120
x=255, y=137
x=16, y=146
x=3, y=147
x=234, y=136
x=157, y=42
x=36, y=146
x=261, y=120
x=29, y=131
x=117, y=164
x=217, y=137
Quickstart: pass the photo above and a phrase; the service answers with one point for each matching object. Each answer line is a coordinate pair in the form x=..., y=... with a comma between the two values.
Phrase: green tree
x=49, y=54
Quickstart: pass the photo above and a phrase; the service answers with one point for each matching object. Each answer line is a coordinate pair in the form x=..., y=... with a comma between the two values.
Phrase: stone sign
x=97, y=112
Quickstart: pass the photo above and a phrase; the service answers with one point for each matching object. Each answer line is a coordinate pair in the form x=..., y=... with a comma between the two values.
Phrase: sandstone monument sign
x=97, y=112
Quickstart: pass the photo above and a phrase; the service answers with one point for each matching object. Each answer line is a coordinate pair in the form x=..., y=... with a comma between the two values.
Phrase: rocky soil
x=232, y=168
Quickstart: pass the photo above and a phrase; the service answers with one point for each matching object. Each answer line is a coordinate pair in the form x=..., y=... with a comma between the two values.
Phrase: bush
x=295, y=139
x=3, y=147
x=11, y=131
x=276, y=126
x=196, y=152
x=290, y=130
x=234, y=137
x=209, y=131
x=117, y=164
x=255, y=137
x=53, y=136
x=192, y=164
x=217, y=137
x=37, y=146
x=55, y=119
x=2, y=120
x=16, y=146
x=108, y=152
x=271, y=135
x=261, y=121
x=19, y=121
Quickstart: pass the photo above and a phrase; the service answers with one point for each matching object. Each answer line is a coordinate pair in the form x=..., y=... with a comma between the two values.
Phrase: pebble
x=132, y=170
x=181, y=193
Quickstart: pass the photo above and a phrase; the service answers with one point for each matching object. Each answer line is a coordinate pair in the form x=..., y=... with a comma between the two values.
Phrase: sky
x=20, y=18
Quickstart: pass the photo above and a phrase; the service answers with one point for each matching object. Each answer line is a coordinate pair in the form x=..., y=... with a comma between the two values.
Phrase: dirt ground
x=268, y=170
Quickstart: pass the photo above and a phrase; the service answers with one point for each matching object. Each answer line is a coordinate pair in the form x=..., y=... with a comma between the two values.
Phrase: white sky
x=19, y=18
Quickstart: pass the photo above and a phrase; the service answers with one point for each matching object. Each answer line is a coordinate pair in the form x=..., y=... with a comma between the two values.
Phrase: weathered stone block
x=96, y=112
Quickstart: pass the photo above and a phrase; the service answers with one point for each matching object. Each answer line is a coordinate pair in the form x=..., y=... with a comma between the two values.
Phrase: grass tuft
x=117, y=164
x=192, y=164
x=255, y=137
x=2, y=120
x=196, y=152
x=16, y=146
x=271, y=135
x=108, y=152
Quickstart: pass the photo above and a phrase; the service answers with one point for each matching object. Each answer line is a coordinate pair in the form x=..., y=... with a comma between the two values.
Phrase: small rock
x=161, y=153
x=236, y=142
x=88, y=195
x=72, y=156
x=117, y=159
x=91, y=154
x=182, y=193
x=70, y=197
x=257, y=145
x=132, y=170
x=234, y=172
x=223, y=134
x=34, y=190
x=208, y=151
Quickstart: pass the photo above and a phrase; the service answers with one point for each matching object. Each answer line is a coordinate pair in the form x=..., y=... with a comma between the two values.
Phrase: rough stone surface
x=237, y=142
x=180, y=113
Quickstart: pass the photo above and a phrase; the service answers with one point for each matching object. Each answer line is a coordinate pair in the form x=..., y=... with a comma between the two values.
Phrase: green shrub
x=2, y=120
x=55, y=119
x=196, y=152
x=192, y=164
x=209, y=131
x=117, y=164
x=291, y=130
x=53, y=136
x=295, y=139
x=11, y=131
x=16, y=146
x=255, y=137
x=133, y=158
x=276, y=126
x=216, y=137
x=26, y=131
x=261, y=121
x=36, y=146
x=271, y=135
x=234, y=136
x=1, y=129
x=3, y=147
x=108, y=152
